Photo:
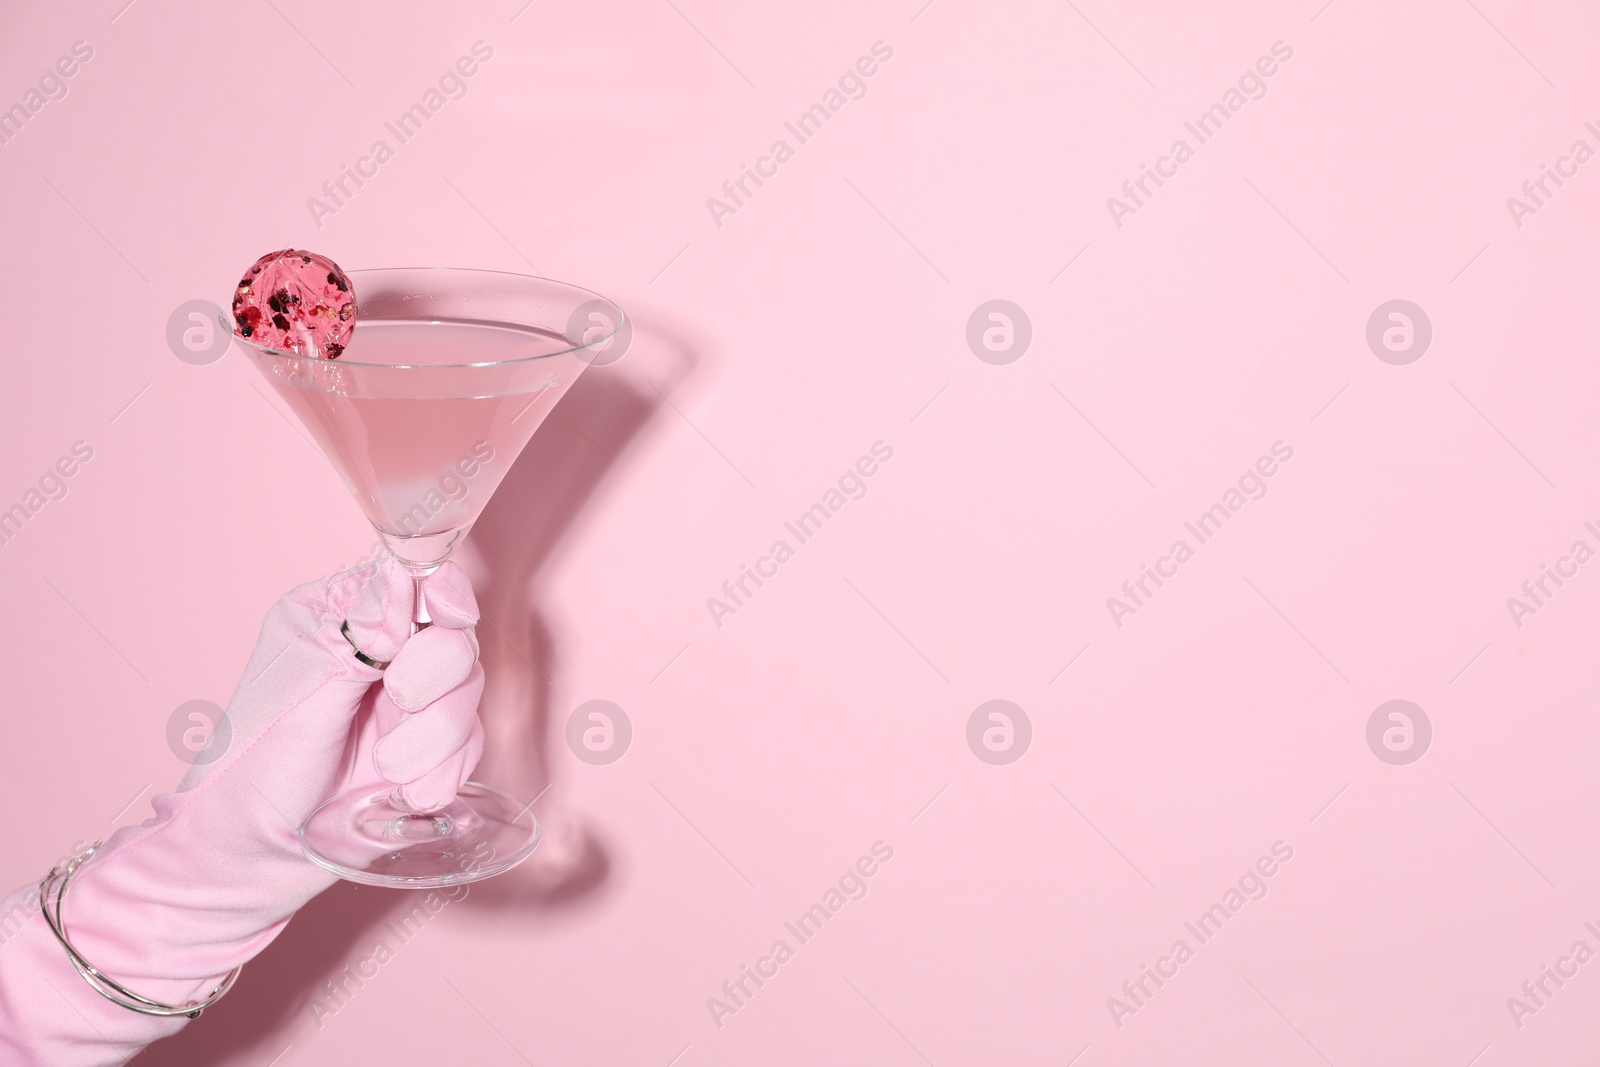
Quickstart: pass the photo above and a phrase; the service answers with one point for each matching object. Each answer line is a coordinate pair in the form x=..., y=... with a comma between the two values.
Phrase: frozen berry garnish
x=297, y=301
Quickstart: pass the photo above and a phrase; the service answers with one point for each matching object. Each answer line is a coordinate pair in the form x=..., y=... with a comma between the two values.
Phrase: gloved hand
x=168, y=907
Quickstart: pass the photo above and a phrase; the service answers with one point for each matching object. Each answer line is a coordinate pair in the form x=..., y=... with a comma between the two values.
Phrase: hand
x=213, y=878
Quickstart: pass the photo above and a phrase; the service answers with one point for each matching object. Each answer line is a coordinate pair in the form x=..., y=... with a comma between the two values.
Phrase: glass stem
x=420, y=619
x=419, y=611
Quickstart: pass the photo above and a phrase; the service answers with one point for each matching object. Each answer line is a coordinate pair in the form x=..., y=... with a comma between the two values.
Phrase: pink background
x=828, y=313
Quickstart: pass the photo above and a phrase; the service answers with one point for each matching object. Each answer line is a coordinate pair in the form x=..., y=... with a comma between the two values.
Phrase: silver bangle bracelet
x=97, y=981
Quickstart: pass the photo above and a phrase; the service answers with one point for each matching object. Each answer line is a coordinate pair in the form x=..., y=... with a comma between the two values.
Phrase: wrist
x=127, y=950
x=52, y=901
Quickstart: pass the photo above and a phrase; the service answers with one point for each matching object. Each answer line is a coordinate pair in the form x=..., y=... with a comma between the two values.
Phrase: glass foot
x=363, y=837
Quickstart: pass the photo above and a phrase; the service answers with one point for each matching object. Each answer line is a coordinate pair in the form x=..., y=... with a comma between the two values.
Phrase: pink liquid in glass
x=421, y=441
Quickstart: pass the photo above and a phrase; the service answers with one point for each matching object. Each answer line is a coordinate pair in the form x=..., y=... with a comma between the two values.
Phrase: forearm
x=49, y=1017
x=133, y=912
x=170, y=907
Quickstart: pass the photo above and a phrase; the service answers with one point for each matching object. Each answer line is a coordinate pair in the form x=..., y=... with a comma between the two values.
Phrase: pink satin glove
x=168, y=907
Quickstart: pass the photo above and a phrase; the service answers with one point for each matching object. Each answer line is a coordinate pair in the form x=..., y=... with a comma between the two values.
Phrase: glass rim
x=225, y=316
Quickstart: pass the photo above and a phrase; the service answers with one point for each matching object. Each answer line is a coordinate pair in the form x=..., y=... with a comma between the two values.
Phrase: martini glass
x=446, y=377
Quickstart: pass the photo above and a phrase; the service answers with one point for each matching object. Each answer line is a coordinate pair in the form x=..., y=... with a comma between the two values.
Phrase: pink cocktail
x=447, y=376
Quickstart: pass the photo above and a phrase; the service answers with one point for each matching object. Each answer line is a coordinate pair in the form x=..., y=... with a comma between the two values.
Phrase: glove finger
x=421, y=741
x=300, y=650
x=438, y=787
x=447, y=592
x=380, y=615
x=432, y=663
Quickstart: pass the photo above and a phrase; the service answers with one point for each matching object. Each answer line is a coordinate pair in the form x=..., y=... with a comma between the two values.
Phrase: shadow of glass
x=558, y=477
